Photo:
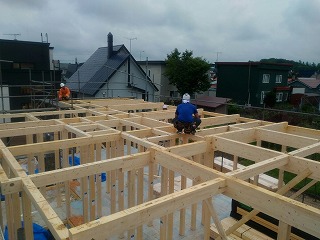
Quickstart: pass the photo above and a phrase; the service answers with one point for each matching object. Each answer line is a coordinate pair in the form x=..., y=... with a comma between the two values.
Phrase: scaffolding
x=31, y=95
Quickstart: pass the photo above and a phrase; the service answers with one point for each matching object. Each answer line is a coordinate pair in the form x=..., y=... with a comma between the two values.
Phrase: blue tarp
x=39, y=233
x=76, y=162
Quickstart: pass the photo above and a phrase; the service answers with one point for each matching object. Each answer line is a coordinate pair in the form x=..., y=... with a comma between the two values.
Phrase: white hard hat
x=186, y=96
x=61, y=84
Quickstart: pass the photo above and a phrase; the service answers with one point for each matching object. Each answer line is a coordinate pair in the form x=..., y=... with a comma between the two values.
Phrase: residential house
x=212, y=103
x=27, y=75
x=247, y=83
x=68, y=69
x=305, y=90
x=167, y=91
x=111, y=72
x=155, y=70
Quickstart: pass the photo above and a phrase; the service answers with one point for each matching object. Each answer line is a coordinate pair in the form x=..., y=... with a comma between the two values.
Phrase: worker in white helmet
x=186, y=116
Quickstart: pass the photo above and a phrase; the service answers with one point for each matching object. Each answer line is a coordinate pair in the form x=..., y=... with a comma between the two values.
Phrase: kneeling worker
x=187, y=117
x=64, y=92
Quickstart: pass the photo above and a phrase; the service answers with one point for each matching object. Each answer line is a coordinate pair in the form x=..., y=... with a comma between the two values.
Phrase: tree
x=189, y=74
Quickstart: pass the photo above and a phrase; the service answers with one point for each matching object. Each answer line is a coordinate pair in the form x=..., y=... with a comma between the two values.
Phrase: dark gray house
x=111, y=72
x=305, y=90
x=28, y=78
x=249, y=82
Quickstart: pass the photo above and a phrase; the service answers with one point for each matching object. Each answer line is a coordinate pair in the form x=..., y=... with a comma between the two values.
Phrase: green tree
x=189, y=74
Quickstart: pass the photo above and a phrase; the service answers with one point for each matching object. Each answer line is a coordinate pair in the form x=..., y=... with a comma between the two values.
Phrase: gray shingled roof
x=97, y=70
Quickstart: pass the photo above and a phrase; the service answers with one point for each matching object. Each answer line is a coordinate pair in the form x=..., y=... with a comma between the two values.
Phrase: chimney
x=110, y=44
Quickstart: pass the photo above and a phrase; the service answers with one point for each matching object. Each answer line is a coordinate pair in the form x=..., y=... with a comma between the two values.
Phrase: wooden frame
x=130, y=141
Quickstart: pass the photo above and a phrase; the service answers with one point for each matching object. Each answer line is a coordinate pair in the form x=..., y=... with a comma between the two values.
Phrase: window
x=173, y=94
x=263, y=95
x=279, y=96
x=285, y=97
x=278, y=78
x=16, y=65
x=265, y=78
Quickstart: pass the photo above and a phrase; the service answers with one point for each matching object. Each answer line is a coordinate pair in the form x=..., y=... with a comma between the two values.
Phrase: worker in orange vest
x=64, y=92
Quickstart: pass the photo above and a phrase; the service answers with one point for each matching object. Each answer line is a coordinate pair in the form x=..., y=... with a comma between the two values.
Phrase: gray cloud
x=240, y=30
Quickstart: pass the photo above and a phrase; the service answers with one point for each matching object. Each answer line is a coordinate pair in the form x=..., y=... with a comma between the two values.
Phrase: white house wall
x=117, y=86
x=162, y=82
x=155, y=73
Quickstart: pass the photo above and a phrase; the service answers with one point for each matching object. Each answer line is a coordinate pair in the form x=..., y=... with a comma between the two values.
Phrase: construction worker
x=64, y=92
x=186, y=116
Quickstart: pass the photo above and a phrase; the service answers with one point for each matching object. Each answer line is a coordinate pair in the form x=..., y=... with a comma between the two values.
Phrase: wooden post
x=164, y=191
x=131, y=197
x=27, y=217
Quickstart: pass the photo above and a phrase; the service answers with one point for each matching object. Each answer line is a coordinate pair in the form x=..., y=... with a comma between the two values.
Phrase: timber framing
x=132, y=142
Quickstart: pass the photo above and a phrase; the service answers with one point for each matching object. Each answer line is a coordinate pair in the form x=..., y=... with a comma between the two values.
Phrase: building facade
x=112, y=72
x=156, y=70
x=247, y=83
x=28, y=78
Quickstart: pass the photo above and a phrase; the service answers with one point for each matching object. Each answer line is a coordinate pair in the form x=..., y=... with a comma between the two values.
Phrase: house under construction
x=128, y=170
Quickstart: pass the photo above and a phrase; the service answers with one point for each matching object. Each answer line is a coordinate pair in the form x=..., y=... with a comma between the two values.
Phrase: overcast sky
x=223, y=30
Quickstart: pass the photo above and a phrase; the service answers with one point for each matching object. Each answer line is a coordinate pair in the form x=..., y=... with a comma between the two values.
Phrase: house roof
x=254, y=63
x=97, y=70
x=282, y=88
x=210, y=101
x=311, y=82
x=312, y=94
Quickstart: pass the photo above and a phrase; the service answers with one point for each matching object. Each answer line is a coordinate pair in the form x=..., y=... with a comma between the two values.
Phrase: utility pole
x=218, y=56
x=130, y=39
x=140, y=54
x=146, y=97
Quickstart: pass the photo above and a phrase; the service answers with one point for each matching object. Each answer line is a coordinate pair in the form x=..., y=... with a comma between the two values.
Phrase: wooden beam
x=261, y=167
x=284, y=138
x=53, y=222
x=220, y=120
x=244, y=150
x=246, y=125
x=77, y=132
x=306, y=151
x=306, y=132
x=12, y=132
x=139, y=141
x=131, y=218
x=216, y=219
x=294, y=213
x=280, y=127
x=132, y=124
x=190, y=149
x=281, y=191
x=185, y=167
x=14, y=166
x=297, y=165
x=125, y=163
x=242, y=135
x=6, y=126
x=65, y=143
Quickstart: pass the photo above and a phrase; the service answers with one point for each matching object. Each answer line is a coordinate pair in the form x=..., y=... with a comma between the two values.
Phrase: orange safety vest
x=64, y=92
